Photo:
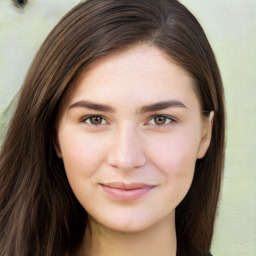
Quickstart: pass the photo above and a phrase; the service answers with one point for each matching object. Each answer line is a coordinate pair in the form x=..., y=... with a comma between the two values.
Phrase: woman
x=117, y=143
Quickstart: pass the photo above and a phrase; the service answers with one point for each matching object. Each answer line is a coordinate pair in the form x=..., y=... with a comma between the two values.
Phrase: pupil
x=96, y=120
x=159, y=120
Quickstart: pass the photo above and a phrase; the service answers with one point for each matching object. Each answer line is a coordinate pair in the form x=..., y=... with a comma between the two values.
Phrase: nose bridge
x=126, y=152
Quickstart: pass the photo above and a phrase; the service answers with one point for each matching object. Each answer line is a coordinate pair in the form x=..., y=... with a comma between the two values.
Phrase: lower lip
x=126, y=195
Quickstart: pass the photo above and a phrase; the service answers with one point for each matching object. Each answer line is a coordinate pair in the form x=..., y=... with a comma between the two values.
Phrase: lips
x=126, y=191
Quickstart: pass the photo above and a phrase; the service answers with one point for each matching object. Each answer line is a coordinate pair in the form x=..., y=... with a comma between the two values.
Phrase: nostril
x=20, y=3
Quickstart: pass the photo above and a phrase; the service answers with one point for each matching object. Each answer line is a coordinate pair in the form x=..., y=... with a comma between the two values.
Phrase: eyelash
x=165, y=117
x=152, y=118
x=86, y=118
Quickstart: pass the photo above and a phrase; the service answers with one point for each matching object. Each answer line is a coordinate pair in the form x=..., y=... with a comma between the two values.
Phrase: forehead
x=141, y=70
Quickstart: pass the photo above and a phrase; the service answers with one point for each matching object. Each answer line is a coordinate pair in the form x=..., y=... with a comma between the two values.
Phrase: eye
x=161, y=120
x=94, y=120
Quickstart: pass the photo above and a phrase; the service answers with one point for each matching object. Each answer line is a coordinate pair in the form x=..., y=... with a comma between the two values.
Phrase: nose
x=126, y=152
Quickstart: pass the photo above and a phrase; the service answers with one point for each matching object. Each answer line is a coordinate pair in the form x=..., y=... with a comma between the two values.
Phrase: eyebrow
x=92, y=105
x=147, y=108
x=162, y=105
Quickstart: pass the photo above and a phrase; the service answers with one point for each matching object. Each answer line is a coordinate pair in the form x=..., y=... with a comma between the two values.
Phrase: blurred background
x=231, y=29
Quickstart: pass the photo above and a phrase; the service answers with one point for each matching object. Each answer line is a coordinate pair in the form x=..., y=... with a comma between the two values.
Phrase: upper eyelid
x=84, y=118
x=163, y=115
x=172, y=122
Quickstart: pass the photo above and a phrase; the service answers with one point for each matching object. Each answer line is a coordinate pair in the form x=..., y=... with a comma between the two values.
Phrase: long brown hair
x=39, y=214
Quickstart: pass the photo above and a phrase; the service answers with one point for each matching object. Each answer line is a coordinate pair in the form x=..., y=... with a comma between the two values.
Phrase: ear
x=206, y=136
x=57, y=150
x=57, y=147
x=56, y=139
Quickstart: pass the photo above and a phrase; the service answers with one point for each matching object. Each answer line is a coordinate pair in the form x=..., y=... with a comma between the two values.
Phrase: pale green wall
x=21, y=33
x=231, y=29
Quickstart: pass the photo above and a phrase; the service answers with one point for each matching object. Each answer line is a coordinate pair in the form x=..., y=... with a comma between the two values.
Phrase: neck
x=160, y=239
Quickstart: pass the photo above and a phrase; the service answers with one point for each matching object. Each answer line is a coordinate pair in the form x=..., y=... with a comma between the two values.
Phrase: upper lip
x=127, y=186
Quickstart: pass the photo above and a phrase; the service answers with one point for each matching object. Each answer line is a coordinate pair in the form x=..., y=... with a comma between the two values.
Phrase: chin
x=129, y=227
x=132, y=223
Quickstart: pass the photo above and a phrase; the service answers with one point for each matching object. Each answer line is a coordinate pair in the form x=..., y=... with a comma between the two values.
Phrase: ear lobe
x=206, y=136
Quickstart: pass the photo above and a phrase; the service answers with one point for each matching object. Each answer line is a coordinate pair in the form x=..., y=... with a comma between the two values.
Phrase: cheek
x=81, y=154
x=176, y=153
x=175, y=156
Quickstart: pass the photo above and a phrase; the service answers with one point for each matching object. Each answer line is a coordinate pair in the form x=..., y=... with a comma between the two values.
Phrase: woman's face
x=129, y=133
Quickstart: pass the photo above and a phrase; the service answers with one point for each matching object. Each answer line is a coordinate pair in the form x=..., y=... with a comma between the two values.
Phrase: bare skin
x=159, y=240
x=129, y=133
